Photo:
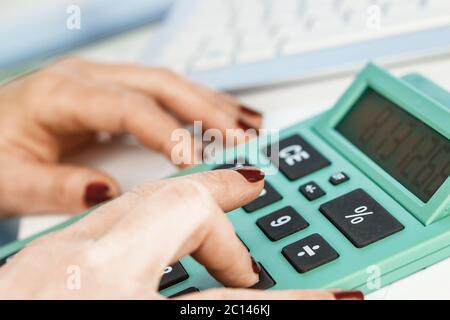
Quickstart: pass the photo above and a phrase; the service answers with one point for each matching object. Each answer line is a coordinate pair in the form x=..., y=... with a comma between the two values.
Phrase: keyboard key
x=311, y=191
x=268, y=196
x=338, y=178
x=185, y=291
x=360, y=218
x=297, y=158
x=265, y=280
x=256, y=52
x=309, y=253
x=172, y=275
x=212, y=60
x=281, y=223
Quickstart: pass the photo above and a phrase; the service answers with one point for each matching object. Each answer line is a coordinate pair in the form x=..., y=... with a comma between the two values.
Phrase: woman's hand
x=121, y=249
x=49, y=113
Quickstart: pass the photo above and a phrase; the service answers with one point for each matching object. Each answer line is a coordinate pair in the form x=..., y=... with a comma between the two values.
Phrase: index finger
x=230, y=189
x=180, y=217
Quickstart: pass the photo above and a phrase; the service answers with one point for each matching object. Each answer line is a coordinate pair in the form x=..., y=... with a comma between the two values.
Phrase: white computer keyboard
x=218, y=34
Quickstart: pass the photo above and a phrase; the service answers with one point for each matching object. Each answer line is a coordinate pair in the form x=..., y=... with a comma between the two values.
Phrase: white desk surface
x=282, y=105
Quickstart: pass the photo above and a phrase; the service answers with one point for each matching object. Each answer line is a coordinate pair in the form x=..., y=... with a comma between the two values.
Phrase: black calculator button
x=173, y=274
x=281, y=223
x=309, y=253
x=297, y=158
x=185, y=291
x=265, y=280
x=311, y=191
x=268, y=196
x=360, y=218
x=338, y=178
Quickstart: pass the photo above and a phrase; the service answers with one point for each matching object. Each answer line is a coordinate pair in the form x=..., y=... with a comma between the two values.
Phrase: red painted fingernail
x=243, y=125
x=251, y=174
x=97, y=193
x=349, y=295
x=249, y=111
x=255, y=266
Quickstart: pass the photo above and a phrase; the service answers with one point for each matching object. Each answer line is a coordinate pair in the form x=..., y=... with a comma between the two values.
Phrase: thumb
x=29, y=187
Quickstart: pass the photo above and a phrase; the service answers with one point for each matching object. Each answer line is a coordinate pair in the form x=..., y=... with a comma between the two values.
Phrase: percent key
x=360, y=218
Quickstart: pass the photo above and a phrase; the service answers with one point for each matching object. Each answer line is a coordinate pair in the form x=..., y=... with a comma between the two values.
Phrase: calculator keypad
x=311, y=191
x=297, y=158
x=360, y=218
x=357, y=215
x=309, y=253
x=172, y=275
x=267, y=196
x=281, y=223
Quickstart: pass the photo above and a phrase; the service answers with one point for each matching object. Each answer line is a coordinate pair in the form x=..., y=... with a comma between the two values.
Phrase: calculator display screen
x=414, y=154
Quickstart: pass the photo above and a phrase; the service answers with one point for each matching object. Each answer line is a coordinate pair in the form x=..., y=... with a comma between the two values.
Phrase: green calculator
x=360, y=197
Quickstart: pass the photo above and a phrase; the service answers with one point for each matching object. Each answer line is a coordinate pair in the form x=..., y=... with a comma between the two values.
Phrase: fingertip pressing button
x=267, y=196
x=265, y=280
